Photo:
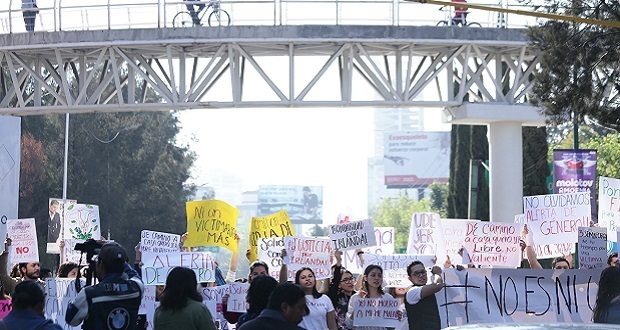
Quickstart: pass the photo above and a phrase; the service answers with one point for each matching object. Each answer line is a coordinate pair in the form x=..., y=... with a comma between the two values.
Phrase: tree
x=439, y=198
x=397, y=213
x=318, y=231
x=32, y=175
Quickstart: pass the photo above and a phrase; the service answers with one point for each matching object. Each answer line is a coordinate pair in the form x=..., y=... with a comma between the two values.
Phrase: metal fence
x=71, y=15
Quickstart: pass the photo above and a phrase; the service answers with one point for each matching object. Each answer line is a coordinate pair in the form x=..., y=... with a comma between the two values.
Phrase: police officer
x=113, y=303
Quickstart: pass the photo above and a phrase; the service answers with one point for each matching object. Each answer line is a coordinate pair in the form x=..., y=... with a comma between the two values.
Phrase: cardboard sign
x=23, y=234
x=609, y=205
x=384, y=236
x=69, y=254
x=308, y=252
x=270, y=251
x=517, y=295
x=493, y=244
x=555, y=218
x=158, y=242
x=81, y=222
x=352, y=235
x=157, y=266
x=453, y=232
x=592, y=247
x=376, y=312
x=425, y=235
x=395, y=266
x=211, y=222
x=59, y=293
x=274, y=225
x=236, y=300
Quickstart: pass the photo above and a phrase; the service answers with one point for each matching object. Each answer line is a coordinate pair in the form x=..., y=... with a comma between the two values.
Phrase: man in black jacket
x=286, y=308
x=420, y=300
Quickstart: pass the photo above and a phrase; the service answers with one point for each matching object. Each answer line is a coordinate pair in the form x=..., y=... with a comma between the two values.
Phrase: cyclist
x=193, y=12
x=460, y=14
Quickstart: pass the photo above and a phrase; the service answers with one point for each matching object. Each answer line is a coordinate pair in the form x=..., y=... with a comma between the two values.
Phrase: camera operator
x=113, y=303
x=29, y=271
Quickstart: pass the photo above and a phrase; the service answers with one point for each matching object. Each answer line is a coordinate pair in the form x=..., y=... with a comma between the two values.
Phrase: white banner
x=385, y=245
x=23, y=234
x=376, y=312
x=555, y=218
x=236, y=300
x=69, y=253
x=82, y=222
x=157, y=266
x=609, y=205
x=308, y=252
x=454, y=231
x=10, y=152
x=59, y=293
x=395, y=266
x=352, y=235
x=592, y=247
x=486, y=295
x=493, y=244
x=158, y=242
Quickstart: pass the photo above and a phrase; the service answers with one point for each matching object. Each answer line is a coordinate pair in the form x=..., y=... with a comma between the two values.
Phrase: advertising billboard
x=574, y=170
x=416, y=158
x=303, y=204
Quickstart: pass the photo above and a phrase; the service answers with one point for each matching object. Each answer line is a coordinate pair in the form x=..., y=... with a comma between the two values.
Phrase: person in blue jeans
x=29, y=10
x=193, y=12
x=28, y=306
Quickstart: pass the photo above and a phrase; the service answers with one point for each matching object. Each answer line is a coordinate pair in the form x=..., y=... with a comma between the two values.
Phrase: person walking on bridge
x=30, y=10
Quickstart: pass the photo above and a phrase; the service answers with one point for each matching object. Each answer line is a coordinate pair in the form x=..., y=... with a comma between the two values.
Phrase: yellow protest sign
x=211, y=222
x=273, y=225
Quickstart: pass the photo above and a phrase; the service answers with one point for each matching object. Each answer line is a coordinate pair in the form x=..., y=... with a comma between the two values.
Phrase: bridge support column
x=505, y=150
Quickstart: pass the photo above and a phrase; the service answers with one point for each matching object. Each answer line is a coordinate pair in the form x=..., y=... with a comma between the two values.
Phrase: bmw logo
x=118, y=319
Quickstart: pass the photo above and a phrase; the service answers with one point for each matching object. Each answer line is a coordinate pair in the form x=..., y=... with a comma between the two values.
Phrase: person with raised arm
x=420, y=300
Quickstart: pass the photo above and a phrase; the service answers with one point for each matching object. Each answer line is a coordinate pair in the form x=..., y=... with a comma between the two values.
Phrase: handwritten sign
x=453, y=232
x=211, y=222
x=69, y=254
x=493, y=244
x=5, y=308
x=308, y=252
x=592, y=247
x=554, y=250
x=395, y=266
x=81, y=222
x=517, y=295
x=212, y=298
x=609, y=205
x=270, y=251
x=236, y=300
x=273, y=225
x=425, y=235
x=157, y=266
x=59, y=293
x=376, y=312
x=24, y=247
x=384, y=236
x=555, y=218
x=158, y=242
x=352, y=235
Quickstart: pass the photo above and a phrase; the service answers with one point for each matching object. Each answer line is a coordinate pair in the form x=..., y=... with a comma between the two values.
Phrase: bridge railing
x=71, y=15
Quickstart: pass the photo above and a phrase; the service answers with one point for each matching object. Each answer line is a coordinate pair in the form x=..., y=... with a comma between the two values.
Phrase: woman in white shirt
x=373, y=282
x=322, y=315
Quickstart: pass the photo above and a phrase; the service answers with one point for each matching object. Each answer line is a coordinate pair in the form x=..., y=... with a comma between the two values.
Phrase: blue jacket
x=26, y=319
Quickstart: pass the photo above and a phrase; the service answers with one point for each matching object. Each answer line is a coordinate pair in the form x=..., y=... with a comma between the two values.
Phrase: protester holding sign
x=29, y=271
x=341, y=288
x=373, y=288
x=256, y=268
x=607, y=308
x=257, y=297
x=532, y=258
x=321, y=315
x=420, y=301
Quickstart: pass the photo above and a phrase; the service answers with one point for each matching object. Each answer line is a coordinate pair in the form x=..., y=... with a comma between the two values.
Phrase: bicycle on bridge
x=217, y=16
x=455, y=20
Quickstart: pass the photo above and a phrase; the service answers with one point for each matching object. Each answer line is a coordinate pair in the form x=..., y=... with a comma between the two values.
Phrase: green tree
x=397, y=213
x=439, y=198
x=318, y=231
x=460, y=155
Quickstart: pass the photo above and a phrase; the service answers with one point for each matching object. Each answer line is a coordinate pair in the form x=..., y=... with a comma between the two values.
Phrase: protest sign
x=352, y=235
x=493, y=244
x=554, y=250
x=384, y=236
x=270, y=251
x=609, y=205
x=376, y=312
x=274, y=225
x=5, y=307
x=81, y=222
x=395, y=266
x=157, y=266
x=520, y=219
x=592, y=247
x=59, y=293
x=211, y=222
x=308, y=252
x=212, y=298
x=425, y=235
x=555, y=218
x=496, y=295
x=69, y=254
x=23, y=234
x=345, y=217
x=148, y=304
x=454, y=231
x=236, y=300
x=54, y=223
x=158, y=242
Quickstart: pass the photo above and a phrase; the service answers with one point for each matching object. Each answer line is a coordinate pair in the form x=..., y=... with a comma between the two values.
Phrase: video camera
x=91, y=247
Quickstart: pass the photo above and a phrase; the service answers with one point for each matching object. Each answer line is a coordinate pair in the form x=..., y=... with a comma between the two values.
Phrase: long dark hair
x=608, y=289
x=315, y=293
x=366, y=272
x=66, y=267
x=180, y=286
x=259, y=291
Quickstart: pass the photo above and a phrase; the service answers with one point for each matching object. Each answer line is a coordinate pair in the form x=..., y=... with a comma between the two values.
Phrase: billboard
x=574, y=170
x=416, y=158
x=303, y=204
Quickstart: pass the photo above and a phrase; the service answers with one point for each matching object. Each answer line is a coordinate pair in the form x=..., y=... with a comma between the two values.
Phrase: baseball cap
x=111, y=253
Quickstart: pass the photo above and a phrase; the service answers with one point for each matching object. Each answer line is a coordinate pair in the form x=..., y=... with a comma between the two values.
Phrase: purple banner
x=575, y=171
